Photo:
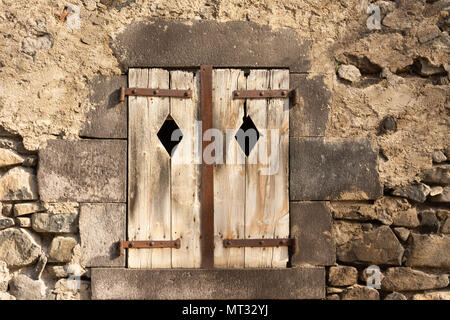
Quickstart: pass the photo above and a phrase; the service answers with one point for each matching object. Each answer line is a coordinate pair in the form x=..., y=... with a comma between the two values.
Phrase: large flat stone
x=169, y=43
x=407, y=279
x=108, y=119
x=186, y=284
x=83, y=171
x=378, y=246
x=99, y=244
x=333, y=169
x=311, y=223
x=310, y=117
x=429, y=251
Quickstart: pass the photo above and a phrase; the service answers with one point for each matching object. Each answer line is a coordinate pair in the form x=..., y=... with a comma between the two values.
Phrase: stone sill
x=201, y=284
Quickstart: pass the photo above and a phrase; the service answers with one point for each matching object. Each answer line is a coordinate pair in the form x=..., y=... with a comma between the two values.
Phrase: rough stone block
x=83, y=171
x=433, y=295
x=18, y=247
x=310, y=117
x=342, y=276
x=55, y=223
x=21, y=209
x=359, y=211
x=61, y=248
x=429, y=223
x=102, y=226
x=349, y=72
x=416, y=192
x=437, y=175
x=407, y=279
x=169, y=43
x=333, y=169
x=187, y=284
x=402, y=233
x=7, y=209
x=311, y=223
x=9, y=158
x=18, y=184
x=378, y=246
x=6, y=223
x=358, y=292
x=429, y=251
x=25, y=288
x=108, y=119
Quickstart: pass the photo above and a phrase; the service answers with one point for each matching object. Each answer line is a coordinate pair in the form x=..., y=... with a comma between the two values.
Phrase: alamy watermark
x=374, y=277
x=226, y=147
x=373, y=22
x=74, y=280
x=71, y=16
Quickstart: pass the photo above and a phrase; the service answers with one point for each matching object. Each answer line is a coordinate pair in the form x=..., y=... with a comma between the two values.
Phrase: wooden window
x=250, y=184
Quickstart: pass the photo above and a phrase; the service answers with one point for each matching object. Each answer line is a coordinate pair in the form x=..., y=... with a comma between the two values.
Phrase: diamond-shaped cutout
x=170, y=135
x=247, y=135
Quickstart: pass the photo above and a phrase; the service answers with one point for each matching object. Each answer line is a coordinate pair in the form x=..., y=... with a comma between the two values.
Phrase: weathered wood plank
x=159, y=218
x=139, y=117
x=267, y=205
x=229, y=177
x=185, y=174
x=278, y=198
x=149, y=173
x=255, y=207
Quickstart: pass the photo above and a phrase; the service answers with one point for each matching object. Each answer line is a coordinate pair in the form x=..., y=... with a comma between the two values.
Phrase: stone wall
x=369, y=143
x=39, y=241
x=405, y=233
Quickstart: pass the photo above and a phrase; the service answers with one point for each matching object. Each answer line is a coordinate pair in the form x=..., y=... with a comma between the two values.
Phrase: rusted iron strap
x=287, y=242
x=148, y=92
x=207, y=183
x=176, y=244
x=292, y=94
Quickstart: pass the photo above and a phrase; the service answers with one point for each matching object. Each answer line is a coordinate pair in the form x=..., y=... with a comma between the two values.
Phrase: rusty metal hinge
x=293, y=95
x=286, y=242
x=149, y=92
x=176, y=244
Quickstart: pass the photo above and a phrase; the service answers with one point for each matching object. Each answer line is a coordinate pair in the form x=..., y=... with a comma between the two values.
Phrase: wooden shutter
x=164, y=191
x=164, y=199
x=248, y=204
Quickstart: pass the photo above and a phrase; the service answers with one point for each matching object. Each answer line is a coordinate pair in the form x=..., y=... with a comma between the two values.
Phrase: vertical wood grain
x=229, y=177
x=185, y=174
x=278, y=118
x=267, y=203
x=149, y=174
